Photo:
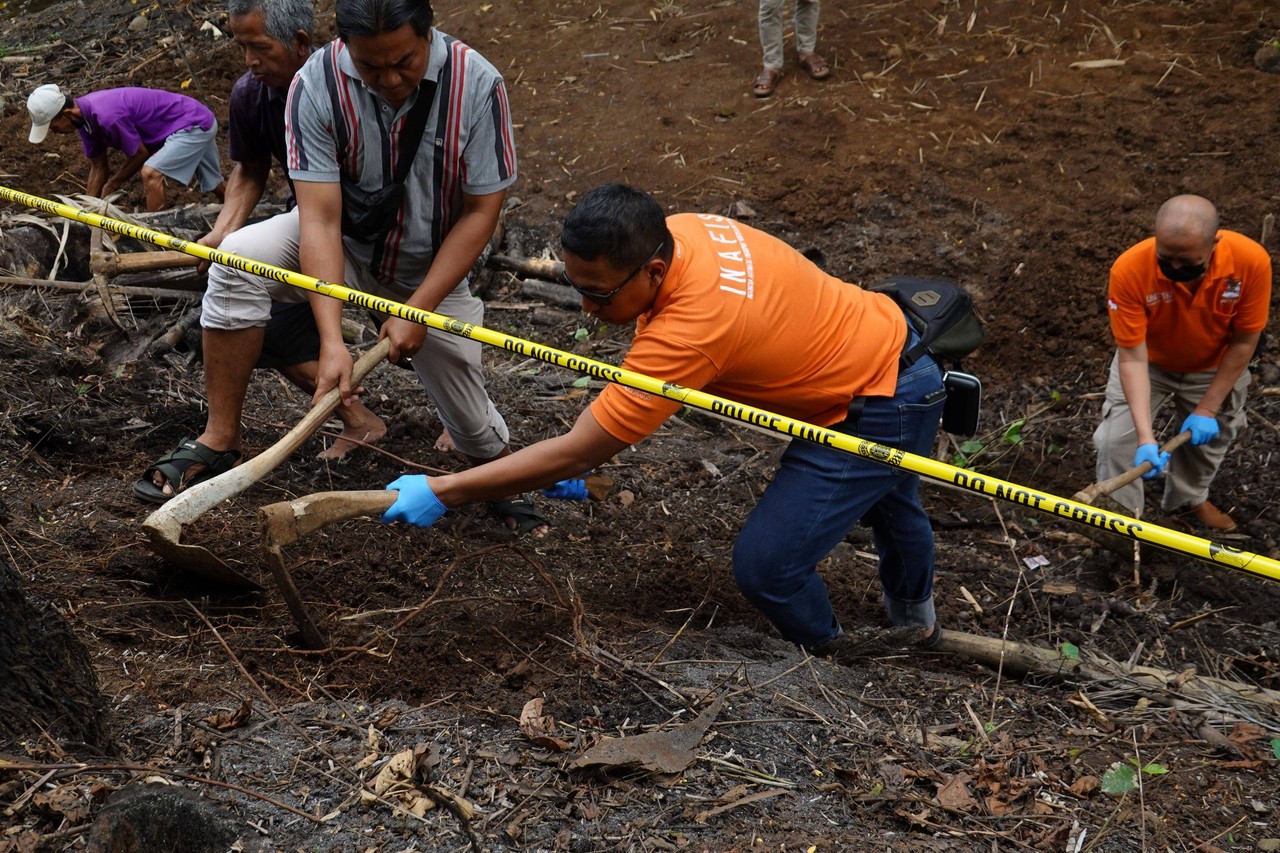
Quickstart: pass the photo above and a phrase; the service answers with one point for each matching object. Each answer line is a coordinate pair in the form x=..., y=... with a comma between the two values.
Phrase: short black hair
x=374, y=17
x=620, y=223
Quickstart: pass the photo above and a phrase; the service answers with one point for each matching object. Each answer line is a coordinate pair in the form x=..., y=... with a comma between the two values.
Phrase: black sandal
x=520, y=509
x=175, y=466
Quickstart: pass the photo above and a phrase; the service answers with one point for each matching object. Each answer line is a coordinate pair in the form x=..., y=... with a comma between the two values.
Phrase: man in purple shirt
x=162, y=134
x=276, y=37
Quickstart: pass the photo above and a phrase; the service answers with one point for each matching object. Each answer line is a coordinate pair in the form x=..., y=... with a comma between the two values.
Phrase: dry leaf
x=1085, y=786
x=224, y=722
x=65, y=801
x=954, y=794
x=539, y=728
x=388, y=717
x=398, y=772
x=662, y=752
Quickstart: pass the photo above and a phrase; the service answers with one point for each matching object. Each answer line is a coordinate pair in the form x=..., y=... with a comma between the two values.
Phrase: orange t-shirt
x=742, y=315
x=1186, y=332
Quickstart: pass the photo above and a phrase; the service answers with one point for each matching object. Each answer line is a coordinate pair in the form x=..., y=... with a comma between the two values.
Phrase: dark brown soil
x=952, y=140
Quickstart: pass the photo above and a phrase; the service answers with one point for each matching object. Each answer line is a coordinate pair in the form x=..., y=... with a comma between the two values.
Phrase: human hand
x=1203, y=430
x=212, y=240
x=568, y=490
x=1151, y=453
x=416, y=504
x=333, y=370
x=406, y=338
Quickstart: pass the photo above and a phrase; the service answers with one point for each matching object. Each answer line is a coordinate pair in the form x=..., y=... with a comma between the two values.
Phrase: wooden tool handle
x=288, y=521
x=112, y=264
x=598, y=486
x=1106, y=487
x=190, y=504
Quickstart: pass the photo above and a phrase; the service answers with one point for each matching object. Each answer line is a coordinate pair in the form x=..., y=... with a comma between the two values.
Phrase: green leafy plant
x=1070, y=651
x=581, y=334
x=1275, y=746
x=1005, y=437
x=582, y=382
x=968, y=451
x=1123, y=778
x=1013, y=435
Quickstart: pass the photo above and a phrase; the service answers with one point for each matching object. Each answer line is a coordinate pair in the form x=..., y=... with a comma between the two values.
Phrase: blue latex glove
x=416, y=504
x=1203, y=430
x=1151, y=453
x=568, y=490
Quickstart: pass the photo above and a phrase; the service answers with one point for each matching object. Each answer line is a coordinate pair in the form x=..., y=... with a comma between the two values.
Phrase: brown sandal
x=816, y=66
x=766, y=81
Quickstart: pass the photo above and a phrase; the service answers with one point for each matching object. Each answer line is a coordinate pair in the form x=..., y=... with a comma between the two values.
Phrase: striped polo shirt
x=337, y=129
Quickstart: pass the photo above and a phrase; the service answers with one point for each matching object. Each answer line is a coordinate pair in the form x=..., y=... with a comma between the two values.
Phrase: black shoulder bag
x=942, y=314
x=369, y=217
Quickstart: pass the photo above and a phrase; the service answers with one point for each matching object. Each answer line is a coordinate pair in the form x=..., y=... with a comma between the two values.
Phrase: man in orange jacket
x=727, y=309
x=1187, y=310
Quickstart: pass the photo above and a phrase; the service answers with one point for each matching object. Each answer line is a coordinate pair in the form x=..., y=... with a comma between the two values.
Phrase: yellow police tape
x=1193, y=546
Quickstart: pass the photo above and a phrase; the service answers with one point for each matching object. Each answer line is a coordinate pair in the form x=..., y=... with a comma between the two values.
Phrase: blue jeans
x=819, y=493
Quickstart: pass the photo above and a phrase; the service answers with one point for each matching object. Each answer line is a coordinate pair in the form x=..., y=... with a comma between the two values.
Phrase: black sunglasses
x=607, y=297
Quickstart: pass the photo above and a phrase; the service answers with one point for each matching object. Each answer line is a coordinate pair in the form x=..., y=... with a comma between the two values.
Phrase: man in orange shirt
x=730, y=310
x=1187, y=309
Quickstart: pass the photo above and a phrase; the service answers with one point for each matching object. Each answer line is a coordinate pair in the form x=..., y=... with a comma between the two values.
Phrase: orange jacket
x=1186, y=332
x=744, y=316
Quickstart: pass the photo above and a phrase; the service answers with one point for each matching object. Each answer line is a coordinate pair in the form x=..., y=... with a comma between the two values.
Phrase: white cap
x=45, y=104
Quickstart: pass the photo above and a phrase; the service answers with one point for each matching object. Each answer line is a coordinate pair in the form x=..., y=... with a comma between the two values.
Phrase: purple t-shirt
x=123, y=118
x=255, y=121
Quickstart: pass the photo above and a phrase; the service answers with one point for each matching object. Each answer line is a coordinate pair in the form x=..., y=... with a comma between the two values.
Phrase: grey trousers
x=448, y=366
x=771, y=29
x=1191, y=469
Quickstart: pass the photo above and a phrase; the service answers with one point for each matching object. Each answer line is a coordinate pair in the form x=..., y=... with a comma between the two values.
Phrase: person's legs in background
x=771, y=43
x=807, y=40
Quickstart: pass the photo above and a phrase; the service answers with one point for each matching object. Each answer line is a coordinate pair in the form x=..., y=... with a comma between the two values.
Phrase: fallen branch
x=1171, y=689
x=556, y=294
x=145, y=292
x=536, y=267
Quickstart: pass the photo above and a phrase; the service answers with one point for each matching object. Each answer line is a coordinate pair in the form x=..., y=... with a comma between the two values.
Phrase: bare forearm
x=1135, y=379
x=1234, y=362
x=129, y=168
x=320, y=252
x=245, y=187
x=459, y=250
x=97, y=177
x=581, y=449
x=320, y=256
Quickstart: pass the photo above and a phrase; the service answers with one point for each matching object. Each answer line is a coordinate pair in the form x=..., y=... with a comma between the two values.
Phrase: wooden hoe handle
x=1106, y=487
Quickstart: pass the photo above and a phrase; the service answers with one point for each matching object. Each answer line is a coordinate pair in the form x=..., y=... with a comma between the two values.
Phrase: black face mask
x=1180, y=274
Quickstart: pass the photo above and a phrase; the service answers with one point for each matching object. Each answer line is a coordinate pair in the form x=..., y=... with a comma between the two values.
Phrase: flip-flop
x=176, y=464
x=521, y=510
x=815, y=65
x=766, y=81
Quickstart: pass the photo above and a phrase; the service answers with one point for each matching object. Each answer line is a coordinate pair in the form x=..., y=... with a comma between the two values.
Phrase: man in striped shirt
x=349, y=108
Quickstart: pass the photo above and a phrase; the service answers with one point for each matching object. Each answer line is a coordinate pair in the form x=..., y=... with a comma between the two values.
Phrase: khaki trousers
x=448, y=366
x=771, y=29
x=1191, y=469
